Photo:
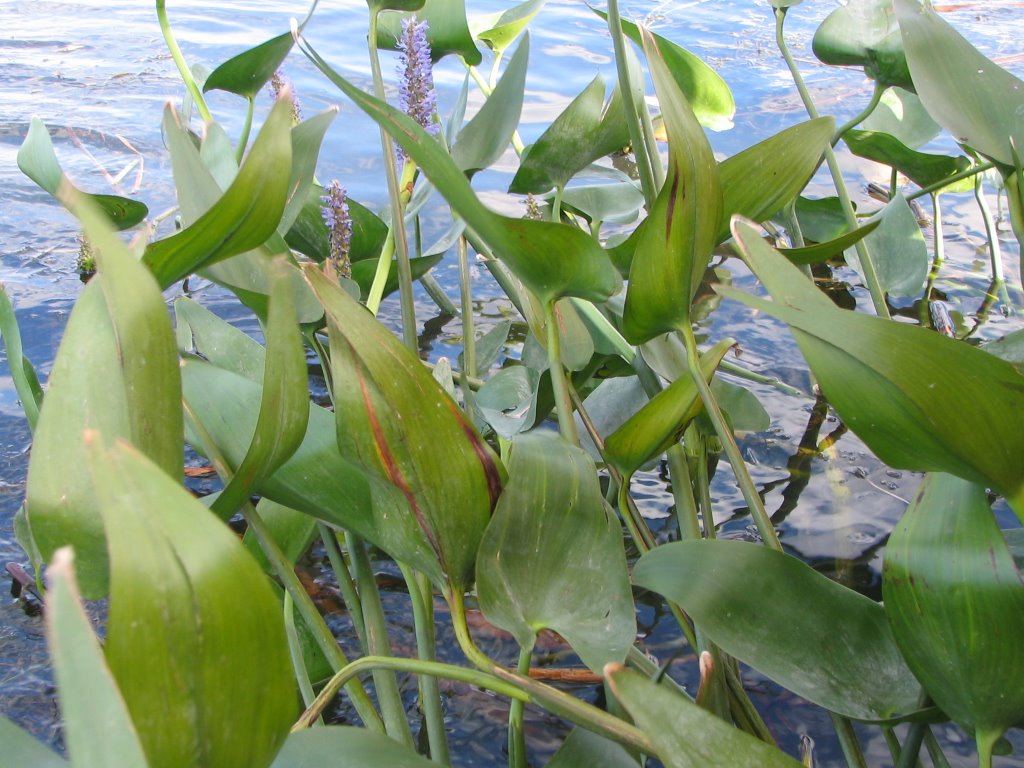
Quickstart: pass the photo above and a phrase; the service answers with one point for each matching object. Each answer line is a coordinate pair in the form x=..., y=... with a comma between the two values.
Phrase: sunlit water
x=98, y=75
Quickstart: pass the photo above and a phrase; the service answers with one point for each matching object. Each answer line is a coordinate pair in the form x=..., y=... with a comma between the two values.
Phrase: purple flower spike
x=416, y=95
x=339, y=227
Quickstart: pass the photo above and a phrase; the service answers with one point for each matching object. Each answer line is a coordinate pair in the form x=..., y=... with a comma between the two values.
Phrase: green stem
x=911, y=747
x=938, y=185
x=986, y=740
x=295, y=651
x=935, y=751
x=179, y=60
x=394, y=195
x=384, y=264
x=345, y=583
x=643, y=162
x=848, y=741
x=243, y=139
x=559, y=385
x=866, y=264
x=876, y=96
x=457, y=605
x=516, y=734
x=995, y=253
x=469, y=367
x=682, y=493
x=732, y=451
x=758, y=378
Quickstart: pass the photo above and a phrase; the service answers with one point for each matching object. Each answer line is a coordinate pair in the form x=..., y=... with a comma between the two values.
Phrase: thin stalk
x=179, y=59
x=295, y=651
x=430, y=695
x=394, y=195
x=796, y=234
x=376, y=294
x=908, y=752
x=478, y=658
x=682, y=493
x=643, y=162
x=876, y=96
x=742, y=701
x=385, y=682
x=732, y=451
x=758, y=378
x=986, y=741
x=848, y=741
x=468, y=329
x=566, y=424
x=516, y=734
x=703, y=482
x=243, y=139
x=345, y=583
x=652, y=148
x=939, y=185
x=994, y=251
x=866, y=264
x=934, y=750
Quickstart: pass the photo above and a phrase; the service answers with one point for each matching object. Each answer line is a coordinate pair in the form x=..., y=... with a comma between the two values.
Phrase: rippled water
x=98, y=75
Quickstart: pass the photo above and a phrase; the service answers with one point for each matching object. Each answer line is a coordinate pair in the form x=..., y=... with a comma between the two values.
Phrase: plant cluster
x=459, y=476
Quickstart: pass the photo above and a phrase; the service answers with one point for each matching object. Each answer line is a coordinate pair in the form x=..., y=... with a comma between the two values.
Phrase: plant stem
x=516, y=735
x=295, y=651
x=243, y=139
x=559, y=385
x=469, y=367
x=994, y=252
x=876, y=96
x=183, y=69
x=866, y=264
x=682, y=493
x=938, y=185
x=345, y=584
x=848, y=741
x=384, y=263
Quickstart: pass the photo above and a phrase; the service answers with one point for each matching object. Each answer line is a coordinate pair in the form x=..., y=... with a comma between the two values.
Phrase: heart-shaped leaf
x=246, y=73
x=822, y=252
x=499, y=30
x=552, y=556
x=955, y=599
x=308, y=233
x=864, y=33
x=898, y=250
x=901, y=115
x=922, y=168
x=447, y=28
x=811, y=635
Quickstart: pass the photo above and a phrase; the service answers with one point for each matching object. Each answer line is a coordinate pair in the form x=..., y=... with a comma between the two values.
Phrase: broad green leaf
x=394, y=5
x=584, y=749
x=346, y=747
x=813, y=636
x=524, y=245
x=922, y=168
x=22, y=373
x=306, y=137
x=661, y=422
x=488, y=347
x=585, y=131
x=898, y=250
x=822, y=252
x=618, y=203
x=552, y=556
x=681, y=230
x=194, y=635
x=499, y=30
x=364, y=271
x=741, y=406
x=38, y=161
x=200, y=332
x=901, y=115
x=969, y=95
x=821, y=219
x=21, y=747
x=486, y=137
x=308, y=233
x=116, y=372
x=284, y=409
x=245, y=216
x=919, y=400
x=508, y=400
x=447, y=28
x=432, y=453
x=1010, y=348
x=246, y=73
x=98, y=729
x=955, y=599
x=864, y=33
x=684, y=734
x=706, y=92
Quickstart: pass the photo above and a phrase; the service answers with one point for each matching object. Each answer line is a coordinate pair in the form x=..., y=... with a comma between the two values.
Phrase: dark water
x=98, y=75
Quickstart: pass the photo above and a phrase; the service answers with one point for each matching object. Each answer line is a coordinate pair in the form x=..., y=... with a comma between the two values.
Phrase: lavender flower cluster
x=416, y=96
x=339, y=227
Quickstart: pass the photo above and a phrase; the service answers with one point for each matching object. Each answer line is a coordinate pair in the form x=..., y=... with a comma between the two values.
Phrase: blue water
x=98, y=74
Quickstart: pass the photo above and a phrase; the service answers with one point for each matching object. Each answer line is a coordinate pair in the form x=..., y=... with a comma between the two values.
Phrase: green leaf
x=661, y=422
x=348, y=747
x=920, y=167
x=919, y=400
x=619, y=202
x=969, y=95
x=584, y=749
x=22, y=373
x=38, y=161
x=447, y=28
x=524, y=245
x=822, y=252
x=585, y=131
x=307, y=138
x=194, y=634
x=246, y=73
x=245, y=216
x=864, y=33
x=898, y=250
x=901, y=115
x=98, y=730
x=21, y=748
x=955, y=599
x=706, y=92
x=741, y=406
x=309, y=235
x=552, y=556
x=117, y=372
x=508, y=400
x=364, y=271
x=499, y=30
x=442, y=466
x=486, y=137
x=811, y=635
x=681, y=230
x=284, y=409
x=822, y=219
x=684, y=734
x=1009, y=347
x=394, y=5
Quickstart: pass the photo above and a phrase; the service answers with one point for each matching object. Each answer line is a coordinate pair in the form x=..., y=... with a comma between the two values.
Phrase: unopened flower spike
x=339, y=227
x=416, y=96
x=278, y=82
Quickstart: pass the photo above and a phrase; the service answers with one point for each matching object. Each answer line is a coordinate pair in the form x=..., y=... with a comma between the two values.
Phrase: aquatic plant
x=211, y=641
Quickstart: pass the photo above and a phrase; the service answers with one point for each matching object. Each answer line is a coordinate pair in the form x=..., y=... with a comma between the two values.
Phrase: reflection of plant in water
x=483, y=498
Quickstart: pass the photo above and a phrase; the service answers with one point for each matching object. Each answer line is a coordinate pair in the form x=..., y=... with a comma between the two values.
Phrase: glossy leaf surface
x=903, y=389
x=583, y=268
x=922, y=168
x=246, y=73
x=673, y=250
x=584, y=749
x=864, y=33
x=499, y=30
x=552, y=556
x=205, y=682
x=98, y=729
x=830, y=249
x=955, y=599
x=898, y=250
x=901, y=115
x=811, y=635
x=685, y=735
x=38, y=161
x=447, y=28
x=969, y=95
x=432, y=454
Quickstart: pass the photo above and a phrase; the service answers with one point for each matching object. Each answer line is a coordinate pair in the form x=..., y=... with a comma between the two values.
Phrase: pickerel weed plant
x=211, y=641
